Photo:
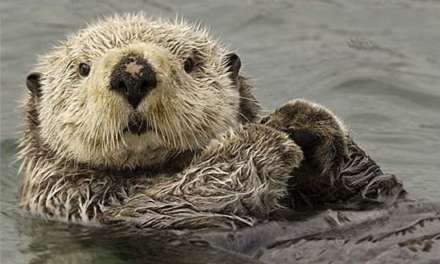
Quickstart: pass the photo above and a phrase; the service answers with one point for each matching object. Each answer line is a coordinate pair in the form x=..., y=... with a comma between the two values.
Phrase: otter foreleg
x=238, y=179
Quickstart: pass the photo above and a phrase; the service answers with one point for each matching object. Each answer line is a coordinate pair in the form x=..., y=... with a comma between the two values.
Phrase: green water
x=375, y=63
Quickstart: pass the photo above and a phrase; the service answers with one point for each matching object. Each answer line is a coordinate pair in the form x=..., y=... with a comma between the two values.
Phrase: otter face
x=128, y=91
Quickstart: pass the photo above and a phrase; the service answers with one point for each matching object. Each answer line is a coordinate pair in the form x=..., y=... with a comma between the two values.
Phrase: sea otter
x=152, y=122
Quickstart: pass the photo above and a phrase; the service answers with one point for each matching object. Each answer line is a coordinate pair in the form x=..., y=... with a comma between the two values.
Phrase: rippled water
x=375, y=63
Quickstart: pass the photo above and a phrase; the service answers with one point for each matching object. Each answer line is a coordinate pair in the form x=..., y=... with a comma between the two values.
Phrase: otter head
x=128, y=91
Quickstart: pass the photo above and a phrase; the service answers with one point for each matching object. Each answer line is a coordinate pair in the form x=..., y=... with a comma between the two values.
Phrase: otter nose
x=133, y=77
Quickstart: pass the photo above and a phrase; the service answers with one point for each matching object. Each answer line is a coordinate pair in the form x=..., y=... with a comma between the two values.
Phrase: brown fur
x=324, y=141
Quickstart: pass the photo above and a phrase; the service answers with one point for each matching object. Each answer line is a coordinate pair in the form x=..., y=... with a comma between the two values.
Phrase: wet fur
x=206, y=163
x=324, y=140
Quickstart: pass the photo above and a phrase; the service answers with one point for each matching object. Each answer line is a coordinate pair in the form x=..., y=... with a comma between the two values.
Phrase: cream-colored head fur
x=83, y=120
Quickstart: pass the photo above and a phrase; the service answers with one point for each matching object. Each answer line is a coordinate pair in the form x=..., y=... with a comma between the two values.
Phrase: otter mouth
x=137, y=124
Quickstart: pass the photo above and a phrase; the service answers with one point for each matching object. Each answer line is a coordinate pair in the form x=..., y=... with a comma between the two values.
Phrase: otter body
x=151, y=122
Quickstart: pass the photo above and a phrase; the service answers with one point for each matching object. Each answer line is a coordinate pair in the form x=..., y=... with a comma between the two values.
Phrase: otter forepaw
x=320, y=134
x=271, y=150
x=256, y=161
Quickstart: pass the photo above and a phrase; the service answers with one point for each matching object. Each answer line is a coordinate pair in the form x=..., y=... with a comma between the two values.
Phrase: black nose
x=133, y=77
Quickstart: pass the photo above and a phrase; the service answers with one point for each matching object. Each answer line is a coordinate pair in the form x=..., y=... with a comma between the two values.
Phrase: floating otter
x=151, y=122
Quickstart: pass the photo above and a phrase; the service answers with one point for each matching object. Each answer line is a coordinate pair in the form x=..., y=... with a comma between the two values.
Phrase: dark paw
x=317, y=131
x=306, y=139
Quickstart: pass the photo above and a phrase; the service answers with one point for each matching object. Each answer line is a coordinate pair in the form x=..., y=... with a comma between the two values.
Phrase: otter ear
x=233, y=63
x=33, y=83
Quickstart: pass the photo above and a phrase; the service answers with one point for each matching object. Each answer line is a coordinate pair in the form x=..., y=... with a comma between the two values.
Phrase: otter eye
x=84, y=69
x=188, y=65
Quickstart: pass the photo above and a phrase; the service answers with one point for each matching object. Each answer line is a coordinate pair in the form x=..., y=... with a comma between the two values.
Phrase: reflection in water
x=375, y=63
x=77, y=244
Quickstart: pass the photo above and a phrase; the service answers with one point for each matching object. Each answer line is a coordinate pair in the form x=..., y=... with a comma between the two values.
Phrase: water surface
x=375, y=63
